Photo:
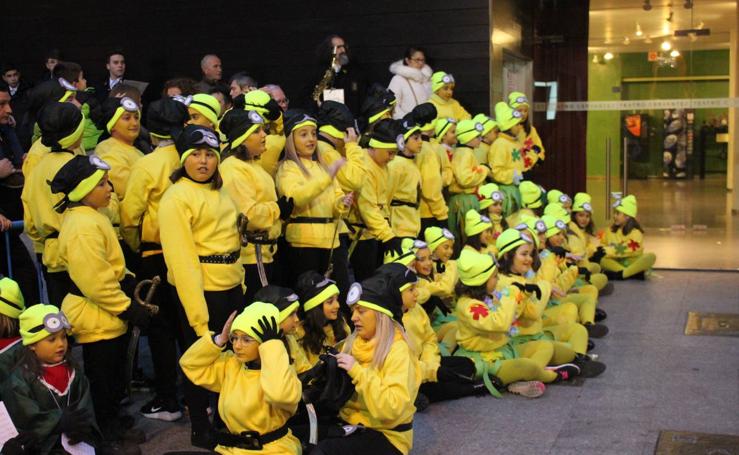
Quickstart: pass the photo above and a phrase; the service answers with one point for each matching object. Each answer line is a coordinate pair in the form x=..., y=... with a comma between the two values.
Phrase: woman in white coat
x=411, y=82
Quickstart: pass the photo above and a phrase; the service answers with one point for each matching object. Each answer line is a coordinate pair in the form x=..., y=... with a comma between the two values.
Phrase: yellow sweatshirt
x=89, y=247
x=372, y=208
x=250, y=400
x=270, y=159
x=529, y=312
x=484, y=326
x=620, y=246
x=200, y=222
x=317, y=196
x=351, y=175
x=531, y=140
x=405, y=179
x=556, y=272
x=418, y=328
x=505, y=158
x=431, y=204
x=481, y=153
x=442, y=285
x=298, y=355
x=449, y=109
x=468, y=174
x=383, y=398
x=253, y=192
x=445, y=154
x=34, y=155
x=581, y=243
x=121, y=157
x=330, y=340
x=41, y=222
x=147, y=183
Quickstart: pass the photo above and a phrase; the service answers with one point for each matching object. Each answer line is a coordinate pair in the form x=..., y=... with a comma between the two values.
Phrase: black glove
x=585, y=272
x=19, y=445
x=269, y=329
x=529, y=288
x=559, y=251
x=74, y=421
x=598, y=255
x=394, y=245
x=286, y=206
x=273, y=110
x=136, y=314
x=440, y=267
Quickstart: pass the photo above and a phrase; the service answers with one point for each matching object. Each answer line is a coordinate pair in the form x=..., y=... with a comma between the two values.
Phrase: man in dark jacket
x=116, y=66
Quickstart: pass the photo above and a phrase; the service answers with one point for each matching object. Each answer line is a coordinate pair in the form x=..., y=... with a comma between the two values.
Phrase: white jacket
x=410, y=85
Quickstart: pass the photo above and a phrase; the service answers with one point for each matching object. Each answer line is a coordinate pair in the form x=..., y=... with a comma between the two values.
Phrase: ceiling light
x=675, y=53
x=607, y=56
x=666, y=45
x=627, y=41
x=647, y=5
x=638, y=30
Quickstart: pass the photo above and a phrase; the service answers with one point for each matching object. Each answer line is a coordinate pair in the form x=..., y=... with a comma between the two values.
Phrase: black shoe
x=607, y=289
x=161, y=409
x=600, y=314
x=589, y=368
x=422, y=402
x=591, y=345
x=614, y=276
x=596, y=330
x=639, y=276
x=203, y=439
x=565, y=371
x=117, y=448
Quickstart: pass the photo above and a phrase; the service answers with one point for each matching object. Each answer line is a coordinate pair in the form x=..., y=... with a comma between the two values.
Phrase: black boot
x=600, y=314
x=607, y=289
x=614, y=276
x=589, y=368
x=596, y=330
x=422, y=402
x=638, y=276
x=591, y=345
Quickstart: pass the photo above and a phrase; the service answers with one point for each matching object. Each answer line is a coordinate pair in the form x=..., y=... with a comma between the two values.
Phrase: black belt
x=311, y=220
x=396, y=203
x=53, y=235
x=403, y=427
x=229, y=258
x=150, y=246
x=250, y=440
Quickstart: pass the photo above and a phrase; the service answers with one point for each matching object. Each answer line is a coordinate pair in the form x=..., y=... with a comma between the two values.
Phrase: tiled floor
x=688, y=223
x=657, y=379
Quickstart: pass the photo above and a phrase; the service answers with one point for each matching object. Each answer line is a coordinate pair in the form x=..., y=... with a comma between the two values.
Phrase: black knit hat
x=374, y=106
x=295, y=118
x=375, y=293
x=423, y=114
x=44, y=93
x=57, y=122
x=237, y=123
x=108, y=108
x=283, y=298
x=72, y=174
x=400, y=278
x=314, y=289
x=166, y=118
x=196, y=137
x=335, y=114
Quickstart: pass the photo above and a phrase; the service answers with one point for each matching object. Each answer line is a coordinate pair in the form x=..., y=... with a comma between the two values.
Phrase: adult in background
x=241, y=83
x=116, y=66
x=411, y=82
x=277, y=94
x=212, y=70
x=51, y=58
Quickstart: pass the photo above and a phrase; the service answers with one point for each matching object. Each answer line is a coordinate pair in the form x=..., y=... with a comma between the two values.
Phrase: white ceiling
x=613, y=20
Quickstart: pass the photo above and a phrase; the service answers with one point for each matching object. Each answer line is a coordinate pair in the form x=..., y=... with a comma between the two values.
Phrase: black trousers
x=365, y=259
x=163, y=331
x=57, y=284
x=365, y=441
x=455, y=380
x=220, y=306
x=105, y=368
x=251, y=279
x=24, y=270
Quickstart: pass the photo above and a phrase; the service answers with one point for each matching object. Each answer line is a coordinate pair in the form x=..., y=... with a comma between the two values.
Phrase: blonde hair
x=385, y=335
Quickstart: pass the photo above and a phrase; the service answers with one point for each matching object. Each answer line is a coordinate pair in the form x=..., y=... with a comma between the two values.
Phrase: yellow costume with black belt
x=201, y=222
x=405, y=179
x=371, y=213
x=431, y=204
x=121, y=157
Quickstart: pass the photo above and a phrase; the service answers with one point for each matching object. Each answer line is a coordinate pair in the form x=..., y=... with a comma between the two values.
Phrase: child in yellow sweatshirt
x=442, y=88
x=623, y=244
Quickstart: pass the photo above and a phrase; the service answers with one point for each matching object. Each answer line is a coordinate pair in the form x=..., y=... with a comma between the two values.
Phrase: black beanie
x=376, y=291
x=196, y=137
x=56, y=121
x=281, y=297
x=335, y=114
x=294, y=117
x=166, y=118
x=424, y=113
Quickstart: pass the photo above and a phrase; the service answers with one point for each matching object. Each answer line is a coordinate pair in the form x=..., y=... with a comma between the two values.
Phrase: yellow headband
x=321, y=297
x=85, y=186
x=307, y=122
x=331, y=131
x=66, y=96
x=377, y=144
x=116, y=116
x=189, y=152
x=240, y=140
x=377, y=116
x=373, y=306
x=288, y=311
x=70, y=140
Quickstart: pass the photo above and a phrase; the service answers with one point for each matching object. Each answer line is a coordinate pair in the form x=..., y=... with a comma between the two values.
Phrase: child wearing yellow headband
x=322, y=324
x=583, y=243
x=47, y=394
x=405, y=181
x=259, y=389
x=528, y=134
x=623, y=244
x=442, y=88
x=433, y=208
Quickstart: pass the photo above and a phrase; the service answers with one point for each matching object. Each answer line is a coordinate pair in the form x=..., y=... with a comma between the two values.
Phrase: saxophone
x=326, y=80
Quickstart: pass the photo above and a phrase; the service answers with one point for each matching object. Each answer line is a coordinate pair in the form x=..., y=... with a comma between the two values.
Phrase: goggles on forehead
x=324, y=283
x=559, y=224
x=587, y=207
x=186, y=100
x=479, y=127
x=354, y=294
x=526, y=237
x=517, y=114
x=66, y=84
x=255, y=118
x=292, y=298
x=129, y=105
x=484, y=219
x=206, y=137
x=400, y=142
x=522, y=100
x=447, y=234
x=447, y=79
x=98, y=162
x=53, y=323
x=497, y=196
x=564, y=199
x=419, y=244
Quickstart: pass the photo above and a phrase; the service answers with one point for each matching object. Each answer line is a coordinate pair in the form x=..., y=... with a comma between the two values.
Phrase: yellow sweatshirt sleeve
x=534, y=135
x=89, y=268
x=386, y=396
x=293, y=184
x=204, y=363
x=262, y=215
x=351, y=176
x=432, y=185
x=270, y=159
x=460, y=113
x=369, y=207
x=500, y=162
x=183, y=262
x=340, y=210
x=279, y=382
x=430, y=356
x=444, y=283
x=467, y=173
x=478, y=315
x=134, y=206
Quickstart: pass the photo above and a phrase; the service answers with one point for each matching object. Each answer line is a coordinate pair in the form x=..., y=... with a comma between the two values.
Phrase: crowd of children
x=468, y=278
